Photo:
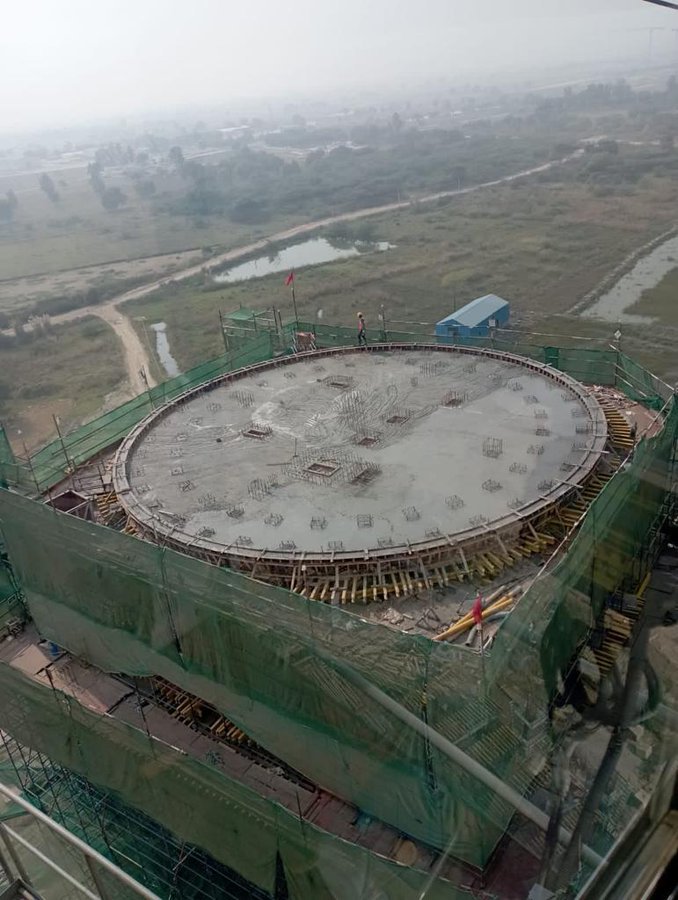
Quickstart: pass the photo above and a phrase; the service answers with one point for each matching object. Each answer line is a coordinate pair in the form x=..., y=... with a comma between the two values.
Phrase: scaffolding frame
x=119, y=838
x=93, y=859
x=72, y=795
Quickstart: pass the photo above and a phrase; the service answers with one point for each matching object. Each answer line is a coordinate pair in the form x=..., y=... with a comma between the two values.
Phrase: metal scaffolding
x=139, y=854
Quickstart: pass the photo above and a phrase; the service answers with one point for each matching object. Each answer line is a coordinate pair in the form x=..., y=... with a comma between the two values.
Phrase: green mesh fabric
x=11, y=471
x=10, y=597
x=563, y=604
x=6, y=454
x=589, y=366
x=275, y=663
x=593, y=366
x=236, y=825
x=272, y=661
x=51, y=462
x=49, y=465
x=639, y=384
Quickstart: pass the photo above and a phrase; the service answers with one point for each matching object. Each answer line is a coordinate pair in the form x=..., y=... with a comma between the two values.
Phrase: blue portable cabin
x=476, y=318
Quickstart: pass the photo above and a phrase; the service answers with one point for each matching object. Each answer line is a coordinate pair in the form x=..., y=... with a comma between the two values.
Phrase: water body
x=646, y=274
x=308, y=253
x=169, y=363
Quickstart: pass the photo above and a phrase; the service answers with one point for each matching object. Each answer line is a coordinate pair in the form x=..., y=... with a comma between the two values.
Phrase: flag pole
x=223, y=332
x=294, y=304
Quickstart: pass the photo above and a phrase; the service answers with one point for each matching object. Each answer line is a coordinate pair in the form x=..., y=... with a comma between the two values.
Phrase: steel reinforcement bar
x=426, y=556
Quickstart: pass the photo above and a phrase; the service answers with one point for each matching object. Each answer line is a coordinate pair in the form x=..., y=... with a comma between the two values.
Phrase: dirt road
x=136, y=356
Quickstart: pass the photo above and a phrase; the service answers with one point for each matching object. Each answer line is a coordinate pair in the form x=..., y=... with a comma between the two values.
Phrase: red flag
x=477, y=610
x=289, y=279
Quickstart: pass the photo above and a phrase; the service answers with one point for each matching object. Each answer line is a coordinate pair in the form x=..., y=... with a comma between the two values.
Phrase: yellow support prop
x=467, y=621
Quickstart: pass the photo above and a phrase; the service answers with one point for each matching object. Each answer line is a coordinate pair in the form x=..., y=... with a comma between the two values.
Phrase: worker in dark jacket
x=362, y=331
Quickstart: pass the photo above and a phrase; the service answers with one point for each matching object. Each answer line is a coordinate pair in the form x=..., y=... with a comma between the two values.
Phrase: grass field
x=540, y=245
x=19, y=295
x=660, y=301
x=77, y=231
x=46, y=237
x=651, y=347
x=72, y=373
x=198, y=207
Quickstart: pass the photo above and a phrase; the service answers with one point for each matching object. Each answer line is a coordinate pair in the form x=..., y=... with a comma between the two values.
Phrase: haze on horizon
x=62, y=63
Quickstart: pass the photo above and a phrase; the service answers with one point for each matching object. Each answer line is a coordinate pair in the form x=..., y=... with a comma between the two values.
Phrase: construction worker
x=362, y=332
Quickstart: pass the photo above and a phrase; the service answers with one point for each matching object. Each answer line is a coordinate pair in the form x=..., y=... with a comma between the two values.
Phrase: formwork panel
x=344, y=453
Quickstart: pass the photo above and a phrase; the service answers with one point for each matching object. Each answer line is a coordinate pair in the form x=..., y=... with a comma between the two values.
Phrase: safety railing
x=107, y=879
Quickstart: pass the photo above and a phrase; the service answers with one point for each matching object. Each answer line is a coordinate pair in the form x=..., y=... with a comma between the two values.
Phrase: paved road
x=136, y=355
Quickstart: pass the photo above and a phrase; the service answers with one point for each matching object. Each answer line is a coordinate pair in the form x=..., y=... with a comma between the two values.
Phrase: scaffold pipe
x=474, y=768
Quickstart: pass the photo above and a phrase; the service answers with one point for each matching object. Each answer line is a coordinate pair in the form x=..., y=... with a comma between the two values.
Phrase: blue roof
x=477, y=311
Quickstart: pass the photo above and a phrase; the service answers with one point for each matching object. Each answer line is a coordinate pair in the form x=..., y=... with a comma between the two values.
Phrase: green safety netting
x=590, y=366
x=639, y=384
x=10, y=596
x=276, y=664
x=48, y=466
x=11, y=472
x=235, y=824
x=613, y=544
x=6, y=454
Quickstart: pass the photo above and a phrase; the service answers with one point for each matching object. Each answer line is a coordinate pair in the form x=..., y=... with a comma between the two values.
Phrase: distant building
x=235, y=131
x=476, y=318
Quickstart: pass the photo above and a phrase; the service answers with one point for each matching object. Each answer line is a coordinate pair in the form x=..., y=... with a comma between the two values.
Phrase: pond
x=308, y=253
x=162, y=347
x=646, y=274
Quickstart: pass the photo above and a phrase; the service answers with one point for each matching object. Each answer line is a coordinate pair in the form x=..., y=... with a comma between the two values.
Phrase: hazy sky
x=67, y=60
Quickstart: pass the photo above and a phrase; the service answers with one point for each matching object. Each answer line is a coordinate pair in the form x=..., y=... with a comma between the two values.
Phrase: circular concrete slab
x=348, y=451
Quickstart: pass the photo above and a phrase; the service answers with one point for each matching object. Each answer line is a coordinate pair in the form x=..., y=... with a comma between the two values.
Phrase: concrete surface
x=357, y=451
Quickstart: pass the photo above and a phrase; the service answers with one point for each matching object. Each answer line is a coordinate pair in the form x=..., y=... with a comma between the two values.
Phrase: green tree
x=48, y=186
x=249, y=212
x=365, y=231
x=201, y=200
x=607, y=146
x=112, y=198
x=459, y=176
x=176, y=157
x=145, y=188
x=8, y=205
x=21, y=335
x=96, y=179
x=6, y=210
